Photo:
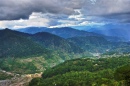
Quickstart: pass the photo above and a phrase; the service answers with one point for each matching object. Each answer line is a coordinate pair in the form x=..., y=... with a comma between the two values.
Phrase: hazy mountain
x=33, y=30
x=100, y=44
x=92, y=43
x=65, y=32
x=112, y=30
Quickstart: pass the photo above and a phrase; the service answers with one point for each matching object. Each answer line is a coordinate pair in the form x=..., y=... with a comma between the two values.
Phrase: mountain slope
x=16, y=45
x=54, y=42
x=86, y=72
x=24, y=53
x=97, y=44
x=92, y=43
x=20, y=54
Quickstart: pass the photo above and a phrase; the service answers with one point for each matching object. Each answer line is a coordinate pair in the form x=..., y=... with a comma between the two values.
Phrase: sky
x=17, y=14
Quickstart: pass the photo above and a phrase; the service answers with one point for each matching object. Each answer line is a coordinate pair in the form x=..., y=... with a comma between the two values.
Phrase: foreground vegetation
x=87, y=72
x=4, y=75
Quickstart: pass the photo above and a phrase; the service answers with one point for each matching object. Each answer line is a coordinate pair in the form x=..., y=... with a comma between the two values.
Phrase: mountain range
x=38, y=51
x=64, y=32
x=62, y=40
x=68, y=32
x=18, y=44
x=15, y=44
x=30, y=53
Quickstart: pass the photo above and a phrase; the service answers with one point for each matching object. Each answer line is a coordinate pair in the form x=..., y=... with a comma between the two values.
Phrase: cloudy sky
x=63, y=13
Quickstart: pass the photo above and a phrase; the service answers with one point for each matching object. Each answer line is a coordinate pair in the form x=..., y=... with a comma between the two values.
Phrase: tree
x=123, y=73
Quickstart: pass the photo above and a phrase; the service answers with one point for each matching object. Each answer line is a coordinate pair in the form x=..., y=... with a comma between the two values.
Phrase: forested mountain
x=56, y=43
x=23, y=44
x=42, y=50
x=18, y=44
x=65, y=42
x=25, y=53
x=100, y=44
x=14, y=44
x=92, y=43
x=87, y=72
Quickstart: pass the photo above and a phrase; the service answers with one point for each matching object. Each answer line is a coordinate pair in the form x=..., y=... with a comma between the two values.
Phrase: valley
x=64, y=42
x=28, y=59
x=18, y=79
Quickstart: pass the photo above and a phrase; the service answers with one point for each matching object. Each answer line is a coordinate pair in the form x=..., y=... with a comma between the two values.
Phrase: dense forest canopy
x=87, y=72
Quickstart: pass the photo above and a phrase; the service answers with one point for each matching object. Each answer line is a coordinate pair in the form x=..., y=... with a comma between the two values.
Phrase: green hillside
x=92, y=43
x=86, y=72
x=13, y=45
x=20, y=54
x=24, y=53
x=54, y=42
x=97, y=44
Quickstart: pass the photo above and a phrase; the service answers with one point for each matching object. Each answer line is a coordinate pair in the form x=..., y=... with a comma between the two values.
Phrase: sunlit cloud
x=35, y=20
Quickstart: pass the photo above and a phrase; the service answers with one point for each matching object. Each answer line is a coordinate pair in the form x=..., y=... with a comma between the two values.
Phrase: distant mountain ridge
x=32, y=30
x=112, y=30
x=65, y=32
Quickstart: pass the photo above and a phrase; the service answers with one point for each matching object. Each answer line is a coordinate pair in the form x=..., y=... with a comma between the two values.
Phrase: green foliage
x=100, y=44
x=74, y=78
x=88, y=64
x=16, y=66
x=4, y=76
x=92, y=43
x=16, y=46
x=83, y=72
x=12, y=44
x=36, y=82
x=55, y=42
x=123, y=73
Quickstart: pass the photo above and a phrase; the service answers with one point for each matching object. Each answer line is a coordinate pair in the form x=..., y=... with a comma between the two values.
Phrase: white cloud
x=77, y=16
x=65, y=13
x=78, y=19
x=51, y=20
x=35, y=19
x=93, y=1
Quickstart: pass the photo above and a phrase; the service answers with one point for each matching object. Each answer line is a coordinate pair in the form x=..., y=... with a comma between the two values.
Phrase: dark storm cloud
x=16, y=9
x=117, y=10
x=109, y=10
x=119, y=17
x=13, y=10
